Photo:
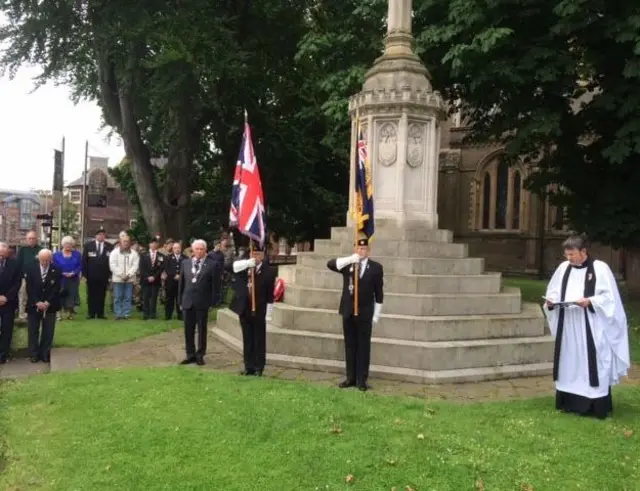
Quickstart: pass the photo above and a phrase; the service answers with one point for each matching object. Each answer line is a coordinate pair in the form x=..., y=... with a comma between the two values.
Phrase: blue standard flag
x=364, y=189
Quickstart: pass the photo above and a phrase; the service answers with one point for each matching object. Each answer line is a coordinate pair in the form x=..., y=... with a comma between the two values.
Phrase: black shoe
x=346, y=383
x=46, y=359
x=247, y=373
x=363, y=386
x=3, y=360
x=258, y=373
x=200, y=361
x=188, y=361
x=34, y=359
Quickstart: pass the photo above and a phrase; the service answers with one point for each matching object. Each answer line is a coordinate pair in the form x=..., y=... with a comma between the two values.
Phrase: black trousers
x=6, y=333
x=41, y=330
x=171, y=300
x=150, y=299
x=254, y=341
x=195, y=319
x=357, y=347
x=96, y=293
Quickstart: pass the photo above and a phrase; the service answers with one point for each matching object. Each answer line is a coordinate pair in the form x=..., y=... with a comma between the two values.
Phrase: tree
x=71, y=222
x=148, y=65
x=557, y=82
x=173, y=80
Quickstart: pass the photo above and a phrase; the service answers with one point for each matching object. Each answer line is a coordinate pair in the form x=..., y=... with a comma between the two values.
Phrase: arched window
x=486, y=200
x=500, y=203
x=556, y=215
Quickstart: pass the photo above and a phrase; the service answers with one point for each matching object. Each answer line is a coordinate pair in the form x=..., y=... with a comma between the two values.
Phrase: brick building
x=18, y=210
x=107, y=204
x=485, y=203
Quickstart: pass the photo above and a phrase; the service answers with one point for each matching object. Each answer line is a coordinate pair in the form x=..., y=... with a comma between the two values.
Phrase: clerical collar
x=585, y=264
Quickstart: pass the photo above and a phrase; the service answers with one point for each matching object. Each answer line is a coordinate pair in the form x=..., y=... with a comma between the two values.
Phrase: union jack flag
x=247, y=211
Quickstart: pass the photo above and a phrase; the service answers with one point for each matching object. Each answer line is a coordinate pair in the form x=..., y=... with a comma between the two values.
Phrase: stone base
x=444, y=319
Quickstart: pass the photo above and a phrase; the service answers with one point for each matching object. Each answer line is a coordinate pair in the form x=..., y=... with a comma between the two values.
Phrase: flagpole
x=356, y=272
x=253, y=270
x=61, y=195
x=253, y=280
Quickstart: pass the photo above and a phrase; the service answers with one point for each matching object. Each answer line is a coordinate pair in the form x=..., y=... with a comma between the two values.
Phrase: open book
x=560, y=304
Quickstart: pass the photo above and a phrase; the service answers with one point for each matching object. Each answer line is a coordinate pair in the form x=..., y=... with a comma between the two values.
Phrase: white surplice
x=608, y=326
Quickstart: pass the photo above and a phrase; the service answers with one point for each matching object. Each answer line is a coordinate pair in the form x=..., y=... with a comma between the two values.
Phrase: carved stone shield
x=387, y=144
x=415, y=145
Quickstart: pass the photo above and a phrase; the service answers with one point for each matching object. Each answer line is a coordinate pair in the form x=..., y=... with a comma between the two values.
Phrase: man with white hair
x=196, y=294
x=43, y=304
x=10, y=279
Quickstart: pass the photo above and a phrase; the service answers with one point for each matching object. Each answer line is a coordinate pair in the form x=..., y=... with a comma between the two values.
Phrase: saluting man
x=151, y=269
x=253, y=324
x=96, y=270
x=357, y=328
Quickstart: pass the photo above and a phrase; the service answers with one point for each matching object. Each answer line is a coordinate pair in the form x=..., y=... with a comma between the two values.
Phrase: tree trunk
x=632, y=271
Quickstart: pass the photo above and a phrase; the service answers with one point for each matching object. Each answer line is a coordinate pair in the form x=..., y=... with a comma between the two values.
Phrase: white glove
x=343, y=262
x=376, y=312
x=269, y=312
x=243, y=264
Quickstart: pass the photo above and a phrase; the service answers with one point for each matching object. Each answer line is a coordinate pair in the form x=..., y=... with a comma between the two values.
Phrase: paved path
x=166, y=349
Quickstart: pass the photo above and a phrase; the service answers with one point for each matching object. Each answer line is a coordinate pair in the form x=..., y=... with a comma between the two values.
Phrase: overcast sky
x=32, y=126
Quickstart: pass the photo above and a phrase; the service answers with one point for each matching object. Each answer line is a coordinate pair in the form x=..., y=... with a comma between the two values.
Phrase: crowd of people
x=42, y=287
x=582, y=304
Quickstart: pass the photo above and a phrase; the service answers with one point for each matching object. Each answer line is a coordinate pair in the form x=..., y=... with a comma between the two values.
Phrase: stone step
x=506, y=302
x=315, y=278
x=406, y=265
x=528, y=323
x=344, y=234
x=468, y=375
x=415, y=355
x=395, y=248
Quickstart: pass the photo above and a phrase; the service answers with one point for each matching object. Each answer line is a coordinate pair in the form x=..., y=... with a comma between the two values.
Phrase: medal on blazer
x=195, y=272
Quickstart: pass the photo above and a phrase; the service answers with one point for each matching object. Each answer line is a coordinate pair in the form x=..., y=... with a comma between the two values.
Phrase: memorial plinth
x=444, y=318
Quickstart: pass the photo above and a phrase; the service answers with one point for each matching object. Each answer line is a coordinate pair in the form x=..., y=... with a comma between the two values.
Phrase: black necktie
x=1, y=265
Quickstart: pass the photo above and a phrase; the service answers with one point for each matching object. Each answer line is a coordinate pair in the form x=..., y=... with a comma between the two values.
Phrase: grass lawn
x=185, y=429
x=533, y=290
x=83, y=333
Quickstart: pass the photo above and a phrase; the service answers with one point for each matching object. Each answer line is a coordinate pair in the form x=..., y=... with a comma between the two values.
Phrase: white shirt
x=363, y=266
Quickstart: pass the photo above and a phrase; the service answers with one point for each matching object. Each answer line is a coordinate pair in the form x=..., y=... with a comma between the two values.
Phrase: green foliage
x=558, y=83
x=174, y=81
x=70, y=224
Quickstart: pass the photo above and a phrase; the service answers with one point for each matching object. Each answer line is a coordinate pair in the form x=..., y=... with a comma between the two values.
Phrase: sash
x=589, y=291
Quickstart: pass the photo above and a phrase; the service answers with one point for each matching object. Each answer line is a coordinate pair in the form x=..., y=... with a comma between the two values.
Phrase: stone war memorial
x=444, y=318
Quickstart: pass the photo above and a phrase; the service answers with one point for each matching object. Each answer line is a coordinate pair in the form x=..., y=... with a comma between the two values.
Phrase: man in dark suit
x=357, y=328
x=151, y=268
x=172, y=264
x=253, y=323
x=43, y=303
x=95, y=269
x=10, y=281
x=196, y=291
x=217, y=255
